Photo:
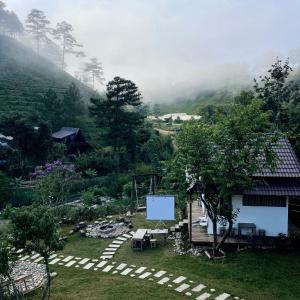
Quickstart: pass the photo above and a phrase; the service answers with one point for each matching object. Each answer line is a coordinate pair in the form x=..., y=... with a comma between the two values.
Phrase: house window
x=257, y=200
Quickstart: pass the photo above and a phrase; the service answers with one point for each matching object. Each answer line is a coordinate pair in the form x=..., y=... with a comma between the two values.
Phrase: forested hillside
x=195, y=104
x=25, y=77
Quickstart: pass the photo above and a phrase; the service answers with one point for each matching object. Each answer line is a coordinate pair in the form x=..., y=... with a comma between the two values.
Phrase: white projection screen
x=160, y=207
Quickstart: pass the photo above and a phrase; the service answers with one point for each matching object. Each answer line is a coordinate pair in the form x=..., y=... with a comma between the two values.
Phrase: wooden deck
x=199, y=235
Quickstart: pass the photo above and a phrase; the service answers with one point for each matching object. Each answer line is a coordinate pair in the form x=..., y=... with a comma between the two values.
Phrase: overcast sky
x=173, y=48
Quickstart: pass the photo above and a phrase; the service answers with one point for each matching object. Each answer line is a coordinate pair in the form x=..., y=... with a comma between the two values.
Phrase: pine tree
x=95, y=70
x=118, y=115
x=37, y=26
x=63, y=33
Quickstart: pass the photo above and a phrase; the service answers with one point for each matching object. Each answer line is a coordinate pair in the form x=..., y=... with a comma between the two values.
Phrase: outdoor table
x=159, y=232
x=138, y=239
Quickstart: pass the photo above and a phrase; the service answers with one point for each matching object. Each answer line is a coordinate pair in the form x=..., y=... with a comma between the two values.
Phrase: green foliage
x=5, y=190
x=36, y=229
x=92, y=195
x=53, y=183
x=33, y=75
x=118, y=116
x=281, y=96
x=222, y=158
x=31, y=145
x=100, y=161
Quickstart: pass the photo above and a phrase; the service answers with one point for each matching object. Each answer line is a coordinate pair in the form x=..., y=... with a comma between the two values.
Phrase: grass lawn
x=251, y=274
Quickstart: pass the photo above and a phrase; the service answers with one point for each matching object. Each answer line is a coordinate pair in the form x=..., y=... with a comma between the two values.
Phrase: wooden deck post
x=190, y=216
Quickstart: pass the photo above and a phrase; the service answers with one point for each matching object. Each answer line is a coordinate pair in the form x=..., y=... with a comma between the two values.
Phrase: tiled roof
x=276, y=187
x=287, y=165
x=64, y=132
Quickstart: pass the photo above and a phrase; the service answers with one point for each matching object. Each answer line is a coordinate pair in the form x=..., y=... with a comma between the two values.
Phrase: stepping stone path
x=159, y=274
x=126, y=271
x=145, y=275
x=203, y=296
x=188, y=288
x=223, y=296
x=111, y=249
x=179, y=279
x=68, y=258
x=140, y=270
x=121, y=267
x=182, y=287
x=164, y=280
x=101, y=264
x=85, y=260
x=54, y=261
x=198, y=288
x=71, y=263
x=88, y=266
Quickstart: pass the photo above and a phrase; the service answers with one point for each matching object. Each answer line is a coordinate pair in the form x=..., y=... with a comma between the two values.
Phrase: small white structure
x=175, y=116
x=269, y=207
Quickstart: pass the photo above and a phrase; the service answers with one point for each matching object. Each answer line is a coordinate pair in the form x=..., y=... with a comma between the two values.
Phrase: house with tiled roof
x=271, y=205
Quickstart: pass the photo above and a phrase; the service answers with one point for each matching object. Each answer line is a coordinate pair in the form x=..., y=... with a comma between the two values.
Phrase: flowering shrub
x=53, y=182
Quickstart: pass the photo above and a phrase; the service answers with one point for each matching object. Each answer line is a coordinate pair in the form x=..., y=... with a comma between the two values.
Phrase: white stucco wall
x=273, y=220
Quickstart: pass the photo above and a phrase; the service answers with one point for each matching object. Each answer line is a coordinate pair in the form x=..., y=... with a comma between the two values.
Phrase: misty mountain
x=26, y=76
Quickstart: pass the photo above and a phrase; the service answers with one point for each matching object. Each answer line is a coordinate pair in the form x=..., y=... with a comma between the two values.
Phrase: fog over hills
x=175, y=49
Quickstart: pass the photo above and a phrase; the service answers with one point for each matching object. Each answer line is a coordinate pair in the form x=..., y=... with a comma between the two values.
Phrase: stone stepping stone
x=107, y=268
x=121, y=239
x=159, y=274
x=115, y=272
x=145, y=275
x=127, y=235
x=78, y=258
x=118, y=242
x=132, y=232
x=54, y=261
x=70, y=263
x=188, y=294
x=140, y=270
x=68, y=258
x=126, y=271
x=198, y=288
x=60, y=264
x=203, y=296
x=95, y=260
x=39, y=259
x=182, y=287
x=170, y=285
x=132, y=275
x=121, y=267
x=83, y=261
x=52, y=256
x=164, y=280
x=95, y=269
x=88, y=266
x=102, y=264
x=20, y=251
x=111, y=249
x=35, y=256
x=106, y=257
x=212, y=290
x=114, y=246
x=108, y=253
x=222, y=296
x=24, y=257
x=179, y=279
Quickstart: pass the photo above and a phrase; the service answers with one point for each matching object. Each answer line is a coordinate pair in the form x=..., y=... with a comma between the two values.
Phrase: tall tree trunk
x=47, y=287
x=215, y=240
x=226, y=235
